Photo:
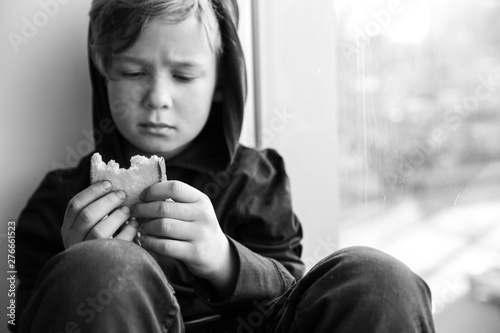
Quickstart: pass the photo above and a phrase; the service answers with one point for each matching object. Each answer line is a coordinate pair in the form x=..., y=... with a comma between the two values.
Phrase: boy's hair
x=117, y=24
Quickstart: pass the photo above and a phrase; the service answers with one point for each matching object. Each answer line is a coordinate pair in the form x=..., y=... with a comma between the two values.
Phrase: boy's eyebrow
x=175, y=63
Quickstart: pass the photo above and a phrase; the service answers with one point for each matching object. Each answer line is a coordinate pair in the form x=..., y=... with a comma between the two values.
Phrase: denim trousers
x=116, y=286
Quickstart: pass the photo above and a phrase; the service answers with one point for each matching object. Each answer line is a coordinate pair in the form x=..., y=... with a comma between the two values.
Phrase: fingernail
x=141, y=196
x=121, y=195
x=134, y=224
x=125, y=209
x=106, y=185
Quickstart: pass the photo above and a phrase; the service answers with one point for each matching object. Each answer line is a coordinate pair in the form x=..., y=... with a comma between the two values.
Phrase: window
x=419, y=88
x=394, y=104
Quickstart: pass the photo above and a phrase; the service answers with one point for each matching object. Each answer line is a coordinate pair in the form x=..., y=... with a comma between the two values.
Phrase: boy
x=169, y=79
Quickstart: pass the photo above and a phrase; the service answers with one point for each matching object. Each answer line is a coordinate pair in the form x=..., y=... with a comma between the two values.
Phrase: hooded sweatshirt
x=249, y=190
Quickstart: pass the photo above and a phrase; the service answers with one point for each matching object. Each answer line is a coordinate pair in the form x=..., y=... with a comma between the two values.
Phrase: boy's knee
x=365, y=288
x=105, y=252
x=92, y=282
x=373, y=263
x=102, y=260
x=370, y=271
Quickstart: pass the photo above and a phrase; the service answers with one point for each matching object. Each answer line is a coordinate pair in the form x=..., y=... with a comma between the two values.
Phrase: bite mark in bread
x=143, y=172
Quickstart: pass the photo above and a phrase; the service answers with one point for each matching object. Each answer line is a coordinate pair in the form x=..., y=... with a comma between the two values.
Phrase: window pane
x=419, y=86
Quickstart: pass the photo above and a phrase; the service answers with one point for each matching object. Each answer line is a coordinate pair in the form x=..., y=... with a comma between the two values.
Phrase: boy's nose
x=158, y=95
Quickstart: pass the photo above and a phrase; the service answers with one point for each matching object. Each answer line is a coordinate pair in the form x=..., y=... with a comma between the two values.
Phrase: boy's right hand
x=96, y=213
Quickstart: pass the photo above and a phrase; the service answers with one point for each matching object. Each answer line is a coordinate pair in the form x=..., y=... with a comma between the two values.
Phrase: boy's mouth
x=156, y=128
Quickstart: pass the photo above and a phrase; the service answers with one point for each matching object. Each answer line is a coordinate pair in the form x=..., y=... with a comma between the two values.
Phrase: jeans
x=116, y=286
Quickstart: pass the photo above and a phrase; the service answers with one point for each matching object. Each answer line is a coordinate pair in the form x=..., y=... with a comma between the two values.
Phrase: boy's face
x=161, y=89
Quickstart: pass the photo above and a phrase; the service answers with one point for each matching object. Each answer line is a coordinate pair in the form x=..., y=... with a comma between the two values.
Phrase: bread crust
x=162, y=170
x=142, y=173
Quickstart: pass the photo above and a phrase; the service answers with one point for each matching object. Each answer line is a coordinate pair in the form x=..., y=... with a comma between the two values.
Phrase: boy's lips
x=156, y=128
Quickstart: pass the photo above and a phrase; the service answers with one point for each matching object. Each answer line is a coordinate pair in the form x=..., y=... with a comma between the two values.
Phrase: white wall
x=45, y=92
x=44, y=98
x=299, y=106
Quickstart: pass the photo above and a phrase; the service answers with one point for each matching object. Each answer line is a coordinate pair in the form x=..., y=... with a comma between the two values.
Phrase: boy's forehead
x=141, y=60
x=184, y=43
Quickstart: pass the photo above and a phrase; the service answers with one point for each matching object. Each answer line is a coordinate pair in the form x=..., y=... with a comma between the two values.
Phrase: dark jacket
x=249, y=190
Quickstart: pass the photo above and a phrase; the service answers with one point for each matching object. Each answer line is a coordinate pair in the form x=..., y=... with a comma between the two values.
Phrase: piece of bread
x=142, y=173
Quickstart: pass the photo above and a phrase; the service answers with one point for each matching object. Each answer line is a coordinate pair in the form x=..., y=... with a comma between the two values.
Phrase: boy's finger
x=129, y=231
x=167, y=247
x=172, y=189
x=108, y=226
x=164, y=209
x=83, y=199
x=98, y=209
x=170, y=228
x=94, y=213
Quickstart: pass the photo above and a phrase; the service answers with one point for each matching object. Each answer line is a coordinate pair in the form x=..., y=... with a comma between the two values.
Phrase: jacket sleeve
x=265, y=234
x=38, y=236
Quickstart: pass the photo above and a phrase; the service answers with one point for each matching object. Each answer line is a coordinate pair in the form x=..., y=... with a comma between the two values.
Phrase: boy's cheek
x=127, y=89
x=121, y=109
x=123, y=101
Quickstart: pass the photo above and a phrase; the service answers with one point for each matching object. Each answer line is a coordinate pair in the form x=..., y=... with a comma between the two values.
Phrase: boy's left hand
x=186, y=229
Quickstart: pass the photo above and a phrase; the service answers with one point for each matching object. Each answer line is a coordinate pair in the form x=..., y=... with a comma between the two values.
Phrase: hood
x=215, y=147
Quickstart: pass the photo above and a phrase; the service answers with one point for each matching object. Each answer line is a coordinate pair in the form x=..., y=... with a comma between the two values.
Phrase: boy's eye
x=183, y=78
x=132, y=74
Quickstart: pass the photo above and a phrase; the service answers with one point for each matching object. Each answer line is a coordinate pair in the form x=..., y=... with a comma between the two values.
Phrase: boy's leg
x=357, y=289
x=102, y=286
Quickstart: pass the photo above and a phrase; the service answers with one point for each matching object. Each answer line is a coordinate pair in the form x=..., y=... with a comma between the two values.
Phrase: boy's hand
x=186, y=229
x=95, y=213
